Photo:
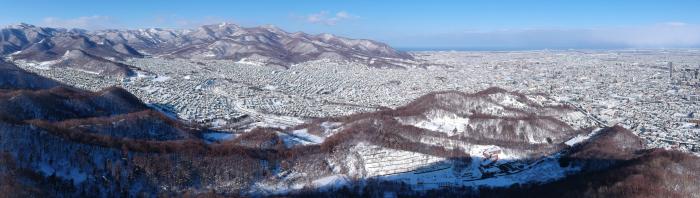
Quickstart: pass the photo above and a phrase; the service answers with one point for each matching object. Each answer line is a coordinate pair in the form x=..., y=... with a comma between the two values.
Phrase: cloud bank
x=85, y=22
x=663, y=35
x=325, y=18
x=671, y=34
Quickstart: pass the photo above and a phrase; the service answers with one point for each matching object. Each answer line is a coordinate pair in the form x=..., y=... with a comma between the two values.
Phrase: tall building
x=670, y=70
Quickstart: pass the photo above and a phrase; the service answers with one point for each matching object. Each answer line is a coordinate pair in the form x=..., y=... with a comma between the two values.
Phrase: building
x=670, y=70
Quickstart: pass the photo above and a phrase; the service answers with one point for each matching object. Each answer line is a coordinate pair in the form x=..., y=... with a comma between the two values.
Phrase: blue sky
x=407, y=24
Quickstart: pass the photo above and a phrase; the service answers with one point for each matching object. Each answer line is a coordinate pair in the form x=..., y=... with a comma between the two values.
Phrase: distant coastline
x=501, y=49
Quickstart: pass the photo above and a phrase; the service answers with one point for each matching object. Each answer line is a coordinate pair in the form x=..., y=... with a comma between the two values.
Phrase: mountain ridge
x=268, y=45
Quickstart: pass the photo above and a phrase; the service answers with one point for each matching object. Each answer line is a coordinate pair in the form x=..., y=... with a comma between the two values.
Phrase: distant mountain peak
x=21, y=25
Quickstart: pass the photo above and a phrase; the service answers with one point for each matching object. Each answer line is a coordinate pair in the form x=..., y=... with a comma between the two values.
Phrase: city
x=634, y=88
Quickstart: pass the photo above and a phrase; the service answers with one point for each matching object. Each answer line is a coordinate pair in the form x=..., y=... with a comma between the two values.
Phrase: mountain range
x=266, y=45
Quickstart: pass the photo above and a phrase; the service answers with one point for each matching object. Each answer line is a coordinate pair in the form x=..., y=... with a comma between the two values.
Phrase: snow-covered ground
x=581, y=138
x=431, y=174
x=299, y=137
x=449, y=123
x=331, y=128
x=161, y=79
x=333, y=181
x=421, y=171
x=218, y=137
x=250, y=62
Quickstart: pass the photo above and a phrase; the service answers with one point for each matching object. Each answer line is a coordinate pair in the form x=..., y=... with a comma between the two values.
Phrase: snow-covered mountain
x=267, y=45
x=65, y=48
x=496, y=115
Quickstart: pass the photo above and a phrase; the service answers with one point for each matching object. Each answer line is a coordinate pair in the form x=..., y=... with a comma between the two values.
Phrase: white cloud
x=671, y=34
x=675, y=23
x=173, y=21
x=98, y=22
x=84, y=22
x=326, y=18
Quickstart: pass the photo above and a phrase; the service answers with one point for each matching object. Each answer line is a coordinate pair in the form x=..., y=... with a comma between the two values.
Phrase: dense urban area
x=652, y=92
